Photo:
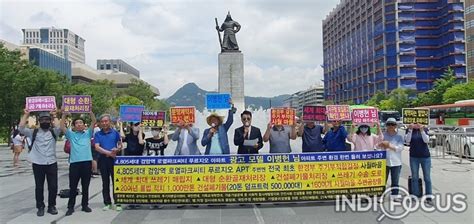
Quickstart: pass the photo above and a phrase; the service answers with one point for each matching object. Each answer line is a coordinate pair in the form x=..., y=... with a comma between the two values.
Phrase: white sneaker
x=107, y=208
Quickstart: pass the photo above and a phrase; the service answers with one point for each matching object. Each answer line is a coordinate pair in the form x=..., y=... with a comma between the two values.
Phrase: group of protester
x=107, y=143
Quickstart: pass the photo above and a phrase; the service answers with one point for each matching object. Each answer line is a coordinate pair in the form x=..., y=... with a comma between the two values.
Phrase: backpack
x=35, y=132
x=67, y=146
x=65, y=193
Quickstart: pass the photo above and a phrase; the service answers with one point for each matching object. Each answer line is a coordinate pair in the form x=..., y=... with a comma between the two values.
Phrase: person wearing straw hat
x=215, y=138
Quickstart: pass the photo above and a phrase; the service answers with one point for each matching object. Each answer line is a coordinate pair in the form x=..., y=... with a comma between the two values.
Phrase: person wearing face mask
x=43, y=157
x=248, y=138
x=215, y=138
x=363, y=140
x=80, y=160
x=134, y=139
x=311, y=134
x=417, y=137
x=335, y=138
x=156, y=145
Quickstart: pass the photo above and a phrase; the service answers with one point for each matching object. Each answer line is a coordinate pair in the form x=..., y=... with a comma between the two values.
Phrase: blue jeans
x=395, y=176
x=426, y=168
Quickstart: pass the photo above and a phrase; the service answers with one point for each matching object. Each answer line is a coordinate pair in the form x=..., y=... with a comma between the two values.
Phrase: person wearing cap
x=335, y=138
x=156, y=145
x=393, y=144
x=215, y=138
x=311, y=135
x=279, y=137
x=135, y=144
x=43, y=157
x=109, y=144
x=248, y=138
x=363, y=140
x=80, y=159
x=417, y=137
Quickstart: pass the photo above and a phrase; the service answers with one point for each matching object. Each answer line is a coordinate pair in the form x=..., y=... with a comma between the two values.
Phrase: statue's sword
x=219, y=34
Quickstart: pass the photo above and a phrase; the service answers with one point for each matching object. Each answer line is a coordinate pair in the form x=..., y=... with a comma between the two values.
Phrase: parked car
x=466, y=142
x=438, y=135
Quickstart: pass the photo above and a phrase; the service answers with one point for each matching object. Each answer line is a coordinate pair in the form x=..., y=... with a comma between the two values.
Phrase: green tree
x=375, y=100
x=142, y=91
x=102, y=93
x=126, y=100
x=435, y=95
x=397, y=100
x=20, y=79
x=464, y=91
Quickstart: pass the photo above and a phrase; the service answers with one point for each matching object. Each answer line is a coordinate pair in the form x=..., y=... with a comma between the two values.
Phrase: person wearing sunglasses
x=248, y=138
x=393, y=144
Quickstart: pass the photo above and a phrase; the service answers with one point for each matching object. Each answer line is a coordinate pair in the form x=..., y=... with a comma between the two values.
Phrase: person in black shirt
x=135, y=144
x=248, y=138
x=156, y=145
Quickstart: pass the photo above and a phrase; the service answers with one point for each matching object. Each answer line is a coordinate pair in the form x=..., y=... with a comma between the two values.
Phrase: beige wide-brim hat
x=220, y=118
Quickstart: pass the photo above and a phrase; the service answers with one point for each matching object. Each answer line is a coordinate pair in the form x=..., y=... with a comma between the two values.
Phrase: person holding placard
x=156, y=145
x=43, y=157
x=311, y=135
x=362, y=139
x=186, y=135
x=134, y=139
x=215, y=138
x=335, y=138
x=80, y=159
x=279, y=137
x=417, y=137
x=248, y=138
x=393, y=144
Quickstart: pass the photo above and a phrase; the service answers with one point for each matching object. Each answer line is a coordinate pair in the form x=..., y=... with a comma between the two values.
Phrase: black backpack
x=35, y=132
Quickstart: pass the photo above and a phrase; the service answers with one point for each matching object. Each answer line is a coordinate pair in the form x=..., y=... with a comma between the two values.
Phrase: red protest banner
x=338, y=113
x=365, y=116
x=185, y=114
x=314, y=113
x=283, y=116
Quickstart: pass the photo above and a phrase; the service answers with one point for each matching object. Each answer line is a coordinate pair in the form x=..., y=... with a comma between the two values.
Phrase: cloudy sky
x=175, y=42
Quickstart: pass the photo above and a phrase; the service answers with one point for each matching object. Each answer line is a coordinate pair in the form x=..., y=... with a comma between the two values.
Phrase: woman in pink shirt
x=363, y=140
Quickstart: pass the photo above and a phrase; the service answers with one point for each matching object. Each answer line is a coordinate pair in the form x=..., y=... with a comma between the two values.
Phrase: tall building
x=64, y=41
x=292, y=101
x=48, y=60
x=311, y=96
x=43, y=58
x=117, y=65
x=469, y=13
x=381, y=45
x=82, y=73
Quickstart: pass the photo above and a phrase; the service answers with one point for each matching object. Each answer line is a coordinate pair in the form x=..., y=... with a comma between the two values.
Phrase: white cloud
x=175, y=42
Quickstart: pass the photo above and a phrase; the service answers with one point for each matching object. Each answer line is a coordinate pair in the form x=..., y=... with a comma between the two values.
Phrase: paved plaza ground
x=18, y=204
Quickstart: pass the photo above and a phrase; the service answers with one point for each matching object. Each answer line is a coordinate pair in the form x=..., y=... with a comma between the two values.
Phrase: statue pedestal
x=231, y=77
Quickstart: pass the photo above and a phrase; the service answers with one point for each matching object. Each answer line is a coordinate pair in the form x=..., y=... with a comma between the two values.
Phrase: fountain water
x=260, y=119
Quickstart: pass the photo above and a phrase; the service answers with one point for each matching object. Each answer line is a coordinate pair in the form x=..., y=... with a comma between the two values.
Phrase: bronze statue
x=229, y=27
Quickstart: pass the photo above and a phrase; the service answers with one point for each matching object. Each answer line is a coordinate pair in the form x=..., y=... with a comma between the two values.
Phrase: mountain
x=191, y=95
